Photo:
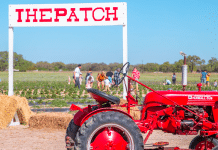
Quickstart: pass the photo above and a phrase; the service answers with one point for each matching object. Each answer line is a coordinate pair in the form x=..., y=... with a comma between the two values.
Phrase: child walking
x=107, y=84
x=88, y=84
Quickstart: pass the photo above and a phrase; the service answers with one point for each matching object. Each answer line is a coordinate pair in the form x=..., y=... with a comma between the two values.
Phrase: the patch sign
x=200, y=97
x=88, y=14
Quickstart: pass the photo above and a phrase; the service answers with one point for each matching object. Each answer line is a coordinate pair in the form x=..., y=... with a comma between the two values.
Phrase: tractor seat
x=102, y=97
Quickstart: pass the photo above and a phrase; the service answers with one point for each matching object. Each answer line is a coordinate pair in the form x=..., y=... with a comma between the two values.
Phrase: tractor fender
x=86, y=117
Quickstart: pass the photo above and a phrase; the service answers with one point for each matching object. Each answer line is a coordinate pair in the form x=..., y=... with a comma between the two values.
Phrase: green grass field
x=63, y=76
x=54, y=85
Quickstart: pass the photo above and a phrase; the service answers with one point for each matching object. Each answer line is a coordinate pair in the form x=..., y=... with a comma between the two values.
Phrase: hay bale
x=23, y=109
x=8, y=107
x=134, y=111
x=50, y=120
x=123, y=101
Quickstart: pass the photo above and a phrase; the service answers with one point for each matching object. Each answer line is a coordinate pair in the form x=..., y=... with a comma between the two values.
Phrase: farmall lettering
x=200, y=97
x=107, y=13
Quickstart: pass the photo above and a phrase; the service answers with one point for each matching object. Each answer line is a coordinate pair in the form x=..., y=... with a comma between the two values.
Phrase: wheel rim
x=110, y=136
x=201, y=145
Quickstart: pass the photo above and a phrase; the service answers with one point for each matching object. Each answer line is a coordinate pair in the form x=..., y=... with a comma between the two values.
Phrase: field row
x=63, y=76
x=62, y=90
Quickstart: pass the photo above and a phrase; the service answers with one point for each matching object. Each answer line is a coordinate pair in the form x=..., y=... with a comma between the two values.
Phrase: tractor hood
x=206, y=98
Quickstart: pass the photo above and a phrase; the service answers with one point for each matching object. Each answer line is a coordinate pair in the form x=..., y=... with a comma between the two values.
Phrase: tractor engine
x=182, y=121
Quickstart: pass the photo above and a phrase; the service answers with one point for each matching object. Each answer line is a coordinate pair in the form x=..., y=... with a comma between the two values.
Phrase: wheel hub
x=201, y=145
x=110, y=137
x=109, y=140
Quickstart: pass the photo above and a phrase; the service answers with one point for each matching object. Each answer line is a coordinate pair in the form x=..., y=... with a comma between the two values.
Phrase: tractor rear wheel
x=198, y=143
x=71, y=133
x=109, y=130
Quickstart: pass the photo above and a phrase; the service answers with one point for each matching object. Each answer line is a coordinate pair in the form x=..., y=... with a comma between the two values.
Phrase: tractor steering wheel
x=124, y=71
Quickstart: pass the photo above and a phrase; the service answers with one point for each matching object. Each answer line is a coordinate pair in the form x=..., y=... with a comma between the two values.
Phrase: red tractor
x=102, y=127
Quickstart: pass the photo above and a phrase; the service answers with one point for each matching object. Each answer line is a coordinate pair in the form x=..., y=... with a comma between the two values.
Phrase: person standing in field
x=107, y=84
x=87, y=74
x=110, y=79
x=73, y=78
x=88, y=84
x=136, y=76
x=110, y=76
x=77, y=76
x=100, y=80
x=174, y=78
x=203, y=77
x=69, y=79
x=208, y=79
x=215, y=83
x=92, y=79
x=80, y=78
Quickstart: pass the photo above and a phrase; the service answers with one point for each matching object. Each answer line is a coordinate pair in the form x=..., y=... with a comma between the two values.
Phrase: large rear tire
x=109, y=130
x=71, y=133
x=198, y=143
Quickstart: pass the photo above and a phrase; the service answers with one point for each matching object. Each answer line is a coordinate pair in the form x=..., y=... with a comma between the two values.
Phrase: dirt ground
x=24, y=138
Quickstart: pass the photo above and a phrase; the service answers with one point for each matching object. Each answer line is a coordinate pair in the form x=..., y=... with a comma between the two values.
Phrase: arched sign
x=86, y=14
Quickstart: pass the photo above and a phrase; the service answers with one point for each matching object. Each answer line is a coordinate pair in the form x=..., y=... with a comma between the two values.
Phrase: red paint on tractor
x=74, y=107
x=202, y=146
x=102, y=110
x=177, y=112
x=205, y=98
x=110, y=140
x=84, y=114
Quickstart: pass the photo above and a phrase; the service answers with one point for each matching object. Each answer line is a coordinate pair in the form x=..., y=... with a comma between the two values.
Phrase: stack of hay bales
x=61, y=120
x=23, y=109
x=9, y=105
x=50, y=120
x=134, y=111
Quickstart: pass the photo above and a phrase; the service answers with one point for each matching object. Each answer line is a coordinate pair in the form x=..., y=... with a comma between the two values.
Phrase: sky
x=157, y=31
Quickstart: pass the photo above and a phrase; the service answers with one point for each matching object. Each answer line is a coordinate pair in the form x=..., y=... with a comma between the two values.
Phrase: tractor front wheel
x=109, y=130
x=198, y=143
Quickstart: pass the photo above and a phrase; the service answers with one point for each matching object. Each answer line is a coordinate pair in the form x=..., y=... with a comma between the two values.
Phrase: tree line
x=195, y=63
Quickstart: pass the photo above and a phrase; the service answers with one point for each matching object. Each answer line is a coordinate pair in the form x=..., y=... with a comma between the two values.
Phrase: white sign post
x=87, y=14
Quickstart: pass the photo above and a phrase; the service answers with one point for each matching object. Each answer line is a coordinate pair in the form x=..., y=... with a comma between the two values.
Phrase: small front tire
x=198, y=143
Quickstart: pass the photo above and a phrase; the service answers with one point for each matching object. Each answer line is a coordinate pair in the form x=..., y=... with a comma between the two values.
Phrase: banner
x=87, y=14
